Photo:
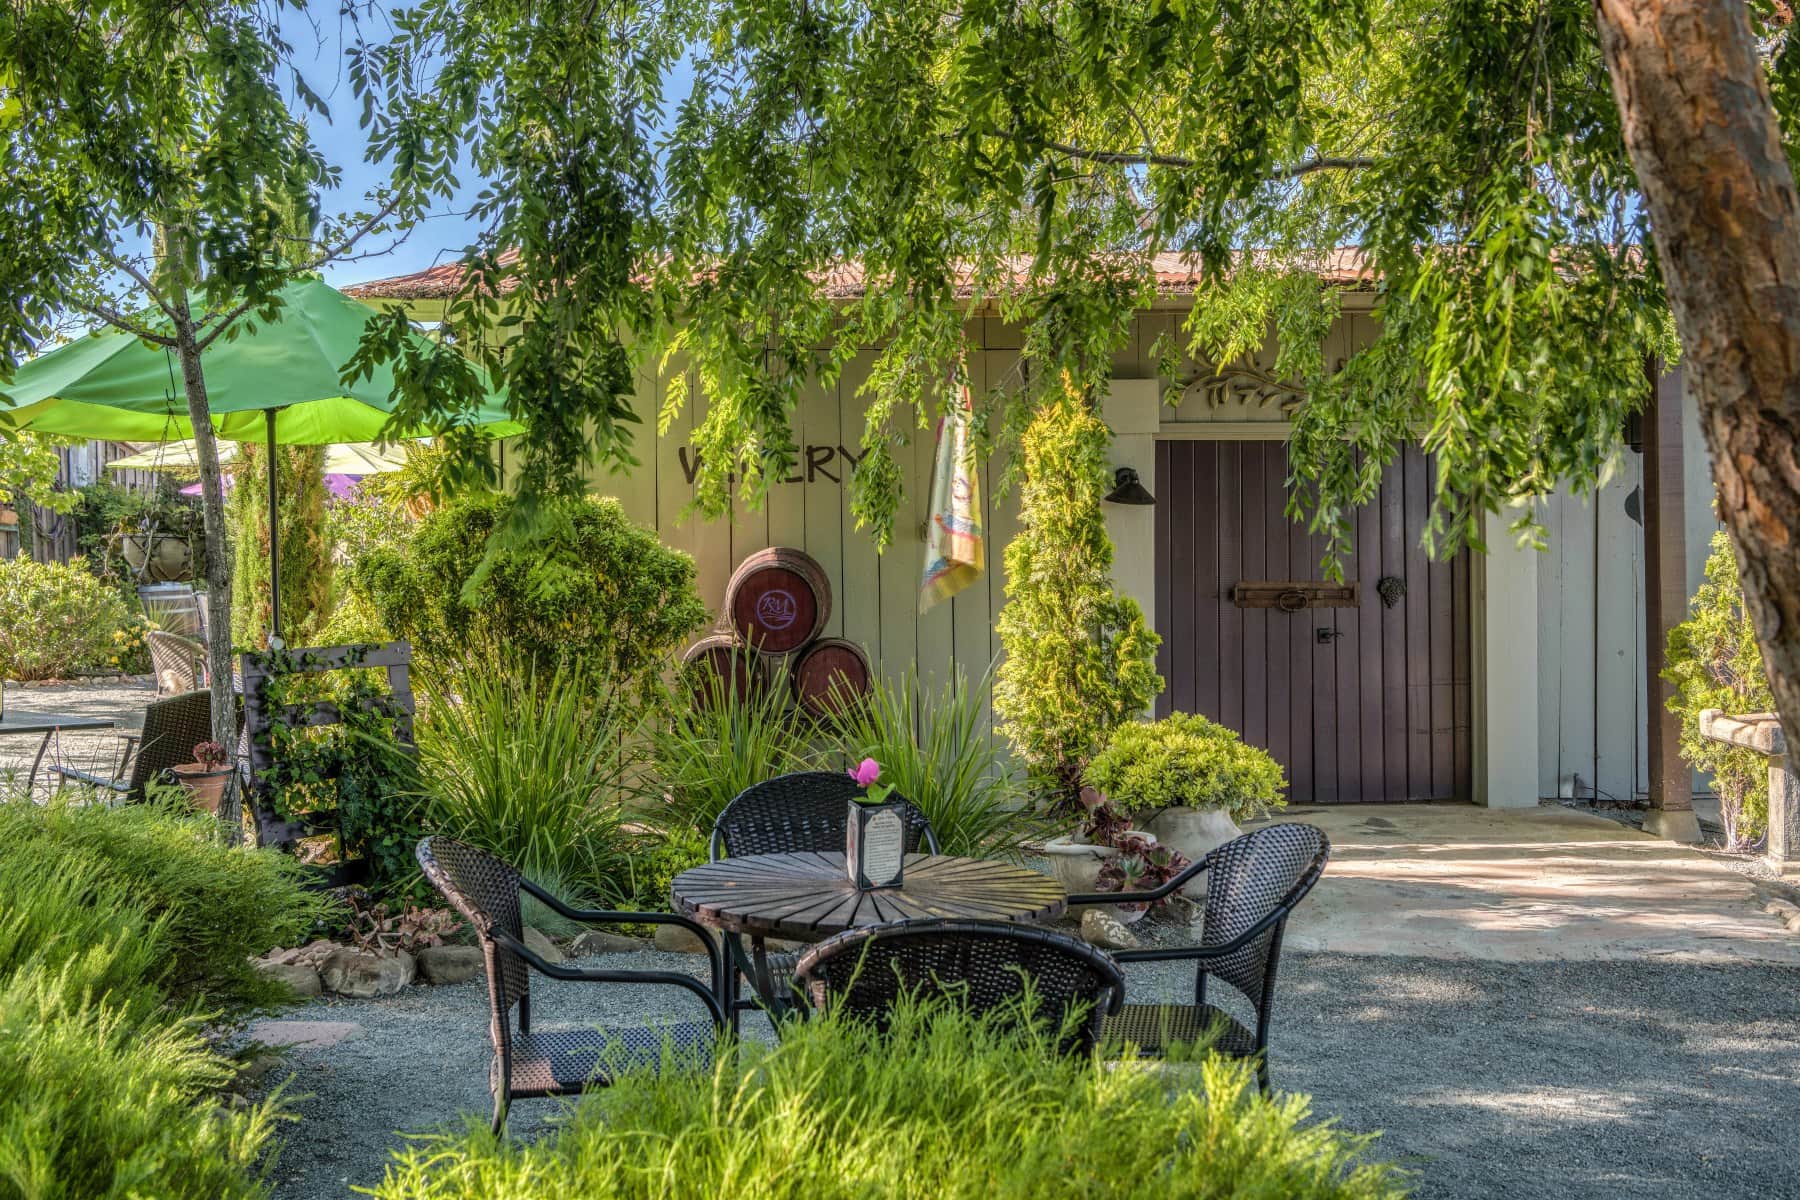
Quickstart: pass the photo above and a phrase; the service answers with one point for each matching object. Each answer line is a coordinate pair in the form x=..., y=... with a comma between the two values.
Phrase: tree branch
x=118, y=320
x=1127, y=158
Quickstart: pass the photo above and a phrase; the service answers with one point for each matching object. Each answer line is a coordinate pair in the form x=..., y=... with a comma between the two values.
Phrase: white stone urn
x=1076, y=864
x=1194, y=833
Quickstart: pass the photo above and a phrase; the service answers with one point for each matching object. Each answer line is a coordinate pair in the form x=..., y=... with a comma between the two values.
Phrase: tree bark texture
x=212, y=510
x=1704, y=141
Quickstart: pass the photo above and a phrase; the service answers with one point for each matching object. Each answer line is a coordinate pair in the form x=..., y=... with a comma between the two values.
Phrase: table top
x=807, y=896
x=30, y=722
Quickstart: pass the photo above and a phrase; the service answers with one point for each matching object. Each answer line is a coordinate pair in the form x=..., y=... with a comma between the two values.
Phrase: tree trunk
x=212, y=509
x=1704, y=140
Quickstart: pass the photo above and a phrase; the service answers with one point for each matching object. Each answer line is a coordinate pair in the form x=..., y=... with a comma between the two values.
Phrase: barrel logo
x=777, y=609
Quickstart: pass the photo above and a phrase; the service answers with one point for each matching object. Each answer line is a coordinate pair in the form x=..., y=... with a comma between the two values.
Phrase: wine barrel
x=829, y=674
x=778, y=600
x=721, y=657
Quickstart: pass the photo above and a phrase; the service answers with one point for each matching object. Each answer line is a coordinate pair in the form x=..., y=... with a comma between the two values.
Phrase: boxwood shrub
x=1185, y=760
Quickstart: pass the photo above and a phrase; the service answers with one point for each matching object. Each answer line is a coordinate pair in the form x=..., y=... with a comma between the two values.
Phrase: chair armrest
x=1168, y=889
x=603, y=916
x=87, y=777
x=1271, y=918
x=714, y=1007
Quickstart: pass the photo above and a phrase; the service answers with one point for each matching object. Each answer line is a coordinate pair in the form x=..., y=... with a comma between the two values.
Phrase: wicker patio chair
x=526, y=1063
x=172, y=728
x=179, y=663
x=1252, y=884
x=978, y=965
x=805, y=810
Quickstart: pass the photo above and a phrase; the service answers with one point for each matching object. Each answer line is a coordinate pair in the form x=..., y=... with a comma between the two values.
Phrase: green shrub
x=306, y=559
x=717, y=743
x=657, y=859
x=936, y=750
x=56, y=619
x=214, y=906
x=1080, y=658
x=1714, y=662
x=948, y=1106
x=532, y=764
x=1185, y=761
x=585, y=585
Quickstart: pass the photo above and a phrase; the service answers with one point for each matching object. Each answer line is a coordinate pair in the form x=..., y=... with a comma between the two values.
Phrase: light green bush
x=533, y=764
x=949, y=1107
x=1714, y=662
x=587, y=585
x=1185, y=760
x=57, y=618
x=1080, y=658
x=716, y=743
x=936, y=750
x=69, y=871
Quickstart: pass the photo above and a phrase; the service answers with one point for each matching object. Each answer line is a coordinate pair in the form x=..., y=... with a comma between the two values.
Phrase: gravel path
x=1568, y=1080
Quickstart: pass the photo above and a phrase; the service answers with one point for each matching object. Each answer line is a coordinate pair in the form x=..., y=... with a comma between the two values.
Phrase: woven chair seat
x=555, y=1061
x=1153, y=1028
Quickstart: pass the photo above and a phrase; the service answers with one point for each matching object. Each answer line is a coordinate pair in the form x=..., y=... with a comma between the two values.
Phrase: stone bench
x=1762, y=733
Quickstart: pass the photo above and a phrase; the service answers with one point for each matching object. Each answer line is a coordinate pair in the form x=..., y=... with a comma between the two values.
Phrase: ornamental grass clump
x=718, y=740
x=947, y=1105
x=1185, y=761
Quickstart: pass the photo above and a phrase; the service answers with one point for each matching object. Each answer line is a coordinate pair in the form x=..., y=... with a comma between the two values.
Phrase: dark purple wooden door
x=1361, y=704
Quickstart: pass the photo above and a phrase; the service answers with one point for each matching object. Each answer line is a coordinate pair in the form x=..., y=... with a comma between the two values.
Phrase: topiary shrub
x=1714, y=662
x=583, y=584
x=1080, y=658
x=1185, y=761
x=306, y=560
x=944, y=1105
x=57, y=618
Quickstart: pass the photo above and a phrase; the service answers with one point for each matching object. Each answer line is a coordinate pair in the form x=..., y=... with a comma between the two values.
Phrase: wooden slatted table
x=807, y=897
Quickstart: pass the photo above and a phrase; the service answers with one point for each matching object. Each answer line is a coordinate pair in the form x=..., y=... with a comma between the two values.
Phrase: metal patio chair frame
x=978, y=965
x=799, y=811
x=527, y=1065
x=173, y=726
x=1248, y=902
x=178, y=658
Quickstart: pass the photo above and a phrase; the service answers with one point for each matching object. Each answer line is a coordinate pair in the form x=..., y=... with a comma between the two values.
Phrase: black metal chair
x=527, y=1064
x=172, y=728
x=981, y=966
x=797, y=812
x=1252, y=884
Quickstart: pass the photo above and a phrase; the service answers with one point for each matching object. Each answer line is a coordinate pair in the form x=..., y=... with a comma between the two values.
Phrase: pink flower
x=866, y=772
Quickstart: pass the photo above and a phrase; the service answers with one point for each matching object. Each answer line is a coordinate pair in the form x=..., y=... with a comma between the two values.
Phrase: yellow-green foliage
x=1185, y=760
x=584, y=582
x=306, y=563
x=1080, y=658
x=948, y=1106
x=1714, y=662
x=121, y=931
x=57, y=618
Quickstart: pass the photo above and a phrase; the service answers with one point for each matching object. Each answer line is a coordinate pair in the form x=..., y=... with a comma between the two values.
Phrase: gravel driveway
x=1568, y=1080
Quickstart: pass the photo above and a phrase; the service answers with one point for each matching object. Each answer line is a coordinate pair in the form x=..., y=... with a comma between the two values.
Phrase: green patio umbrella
x=276, y=382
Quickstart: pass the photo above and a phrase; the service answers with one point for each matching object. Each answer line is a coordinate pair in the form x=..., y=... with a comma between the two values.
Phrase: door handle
x=1325, y=635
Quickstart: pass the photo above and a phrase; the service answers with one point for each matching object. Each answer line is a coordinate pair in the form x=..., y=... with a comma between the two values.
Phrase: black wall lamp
x=1128, y=489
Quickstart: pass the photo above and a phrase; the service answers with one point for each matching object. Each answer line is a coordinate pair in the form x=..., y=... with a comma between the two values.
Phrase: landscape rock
x=1785, y=909
x=301, y=977
x=450, y=964
x=596, y=942
x=539, y=943
x=361, y=974
x=679, y=939
x=312, y=954
x=1100, y=928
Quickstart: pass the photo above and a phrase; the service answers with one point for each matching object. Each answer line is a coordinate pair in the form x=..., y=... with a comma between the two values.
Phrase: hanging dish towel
x=955, y=552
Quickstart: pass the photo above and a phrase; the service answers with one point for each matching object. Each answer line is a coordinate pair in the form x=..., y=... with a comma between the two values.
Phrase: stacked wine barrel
x=777, y=604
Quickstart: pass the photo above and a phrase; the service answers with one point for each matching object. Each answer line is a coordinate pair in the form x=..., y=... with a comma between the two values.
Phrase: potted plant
x=207, y=777
x=1186, y=779
x=1104, y=833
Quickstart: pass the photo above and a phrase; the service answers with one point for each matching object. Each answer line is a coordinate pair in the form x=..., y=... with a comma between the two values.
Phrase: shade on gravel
x=1596, y=1079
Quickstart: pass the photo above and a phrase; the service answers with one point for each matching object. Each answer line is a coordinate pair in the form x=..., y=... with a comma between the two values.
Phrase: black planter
x=875, y=845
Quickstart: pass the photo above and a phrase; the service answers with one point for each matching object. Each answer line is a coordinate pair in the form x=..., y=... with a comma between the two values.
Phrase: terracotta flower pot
x=206, y=785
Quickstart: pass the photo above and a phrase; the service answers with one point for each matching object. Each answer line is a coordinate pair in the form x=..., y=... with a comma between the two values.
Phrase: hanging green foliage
x=1080, y=658
x=306, y=561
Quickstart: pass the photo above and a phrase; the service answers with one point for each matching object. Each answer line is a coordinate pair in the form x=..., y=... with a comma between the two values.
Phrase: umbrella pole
x=274, y=539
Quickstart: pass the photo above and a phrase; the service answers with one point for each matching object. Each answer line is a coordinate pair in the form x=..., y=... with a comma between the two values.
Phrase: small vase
x=875, y=845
